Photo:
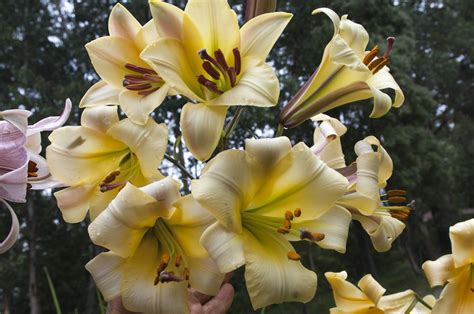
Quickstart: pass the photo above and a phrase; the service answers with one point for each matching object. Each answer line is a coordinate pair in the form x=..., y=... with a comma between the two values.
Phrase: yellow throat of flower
x=218, y=75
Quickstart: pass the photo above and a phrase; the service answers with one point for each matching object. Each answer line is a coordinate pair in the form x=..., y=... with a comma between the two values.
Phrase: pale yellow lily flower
x=368, y=298
x=126, y=79
x=457, y=269
x=347, y=73
x=366, y=177
x=153, y=237
x=264, y=197
x=205, y=57
x=99, y=157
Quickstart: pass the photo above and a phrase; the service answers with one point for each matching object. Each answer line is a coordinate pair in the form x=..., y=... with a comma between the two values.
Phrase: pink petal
x=51, y=123
x=12, y=236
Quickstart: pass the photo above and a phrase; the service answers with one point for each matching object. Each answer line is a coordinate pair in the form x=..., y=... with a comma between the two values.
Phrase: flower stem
x=184, y=171
x=280, y=130
x=420, y=299
x=231, y=126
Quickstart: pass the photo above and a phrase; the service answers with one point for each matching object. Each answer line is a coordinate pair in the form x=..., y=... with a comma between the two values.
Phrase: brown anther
x=177, y=261
x=153, y=78
x=211, y=86
x=312, y=236
x=371, y=55
x=283, y=230
x=237, y=60
x=375, y=63
x=232, y=76
x=288, y=215
x=205, y=56
x=169, y=277
x=136, y=87
x=287, y=224
x=165, y=259
x=186, y=273
x=221, y=59
x=397, y=199
x=388, y=50
x=148, y=91
x=380, y=66
x=139, y=69
x=32, y=166
x=211, y=70
x=297, y=212
x=108, y=187
x=396, y=193
x=28, y=186
x=292, y=255
x=111, y=177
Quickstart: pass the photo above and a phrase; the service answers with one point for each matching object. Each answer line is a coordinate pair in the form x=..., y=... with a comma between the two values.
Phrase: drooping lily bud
x=254, y=8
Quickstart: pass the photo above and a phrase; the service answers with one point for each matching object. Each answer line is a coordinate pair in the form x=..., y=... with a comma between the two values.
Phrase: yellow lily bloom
x=153, y=237
x=264, y=197
x=368, y=298
x=126, y=79
x=347, y=73
x=204, y=56
x=457, y=269
x=99, y=157
x=366, y=177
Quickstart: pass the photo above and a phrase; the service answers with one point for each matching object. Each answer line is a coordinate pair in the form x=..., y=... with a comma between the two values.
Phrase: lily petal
x=146, y=35
x=74, y=202
x=354, y=35
x=121, y=227
x=168, y=57
x=397, y=303
x=225, y=247
x=122, y=23
x=268, y=152
x=258, y=86
x=336, y=21
x=139, y=294
x=382, y=230
x=334, y=224
x=109, y=55
x=457, y=296
x=462, y=235
x=347, y=297
x=217, y=23
x=99, y=119
x=138, y=107
x=260, y=34
x=439, y=271
x=17, y=117
x=225, y=186
x=12, y=236
x=202, y=126
x=270, y=276
x=147, y=142
x=168, y=19
x=371, y=288
x=106, y=269
x=100, y=94
x=51, y=123
x=299, y=180
x=383, y=79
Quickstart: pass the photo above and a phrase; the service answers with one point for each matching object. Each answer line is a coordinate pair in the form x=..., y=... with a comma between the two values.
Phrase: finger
x=201, y=297
x=194, y=304
x=221, y=303
x=116, y=307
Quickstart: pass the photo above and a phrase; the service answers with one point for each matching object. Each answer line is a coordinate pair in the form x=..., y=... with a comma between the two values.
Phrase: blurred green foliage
x=430, y=138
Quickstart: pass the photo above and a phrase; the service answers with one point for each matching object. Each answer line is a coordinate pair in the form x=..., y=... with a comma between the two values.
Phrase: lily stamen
x=371, y=55
x=287, y=224
x=32, y=169
x=237, y=60
x=218, y=68
x=109, y=187
x=388, y=50
x=377, y=64
x=288, y=215
x=178, y=260
x=211, y=86
x=312, y=236
x=221, y=59
x=396, y=193
x=292, y=255
x=111, y=177
x=207, y=66
x=169, y=277
x=397, y=199
x=283, y=230
x=139, y=69
x=145, y=82
x=297, y=212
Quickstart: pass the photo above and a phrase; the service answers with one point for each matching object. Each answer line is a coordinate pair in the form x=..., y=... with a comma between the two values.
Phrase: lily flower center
x=396, y=203
x=32, y=169
x=173, y=265
x=142, y=80
x=118, y=178
x=218, y=75
x=376, y=65
x=255, y=222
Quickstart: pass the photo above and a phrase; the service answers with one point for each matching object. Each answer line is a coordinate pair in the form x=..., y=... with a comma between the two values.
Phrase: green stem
x=53, y=291
x=231, y=126
x=184, y=171
x=420, y=299
x=280, y=130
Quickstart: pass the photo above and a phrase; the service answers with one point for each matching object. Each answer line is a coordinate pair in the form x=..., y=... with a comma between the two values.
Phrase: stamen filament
x=388, y=50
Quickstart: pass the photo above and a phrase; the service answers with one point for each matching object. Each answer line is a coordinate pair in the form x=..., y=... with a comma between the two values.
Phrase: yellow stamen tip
x=292, y=255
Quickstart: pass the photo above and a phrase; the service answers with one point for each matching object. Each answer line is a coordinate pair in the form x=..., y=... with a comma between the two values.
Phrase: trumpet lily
x=21, y=165
x=263, y=197
x=126, y=79
x=95, y=160
x=369, y=298
x=205, y=57
x=366, y=177
x=347, y=73
x=457, y=269
x=152, y=234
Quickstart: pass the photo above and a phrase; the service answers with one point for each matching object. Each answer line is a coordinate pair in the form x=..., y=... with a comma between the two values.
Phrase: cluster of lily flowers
x=247, y=205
